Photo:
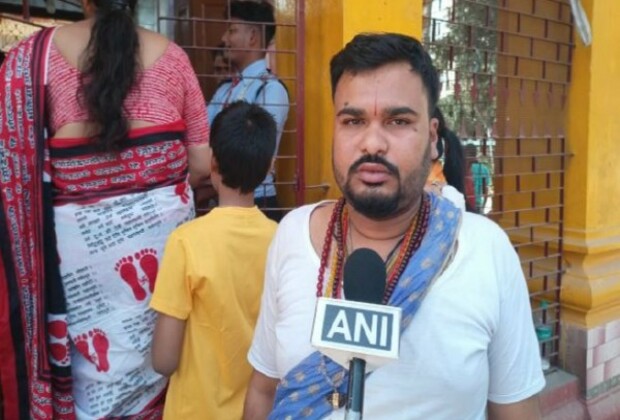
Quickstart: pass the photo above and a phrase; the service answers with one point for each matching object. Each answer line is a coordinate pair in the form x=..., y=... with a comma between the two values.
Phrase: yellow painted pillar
x=330, y=24
x=383, y=16
x=591, y=285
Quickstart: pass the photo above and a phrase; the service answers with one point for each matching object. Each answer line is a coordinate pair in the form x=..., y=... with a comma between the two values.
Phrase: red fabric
x=67, y=142
x=166, y=92
x=81, y=173
x=470, y=194
x=30, y=280
x=8, y=372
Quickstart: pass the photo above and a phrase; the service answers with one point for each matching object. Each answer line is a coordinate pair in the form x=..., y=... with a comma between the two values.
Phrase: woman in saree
x=103, y=132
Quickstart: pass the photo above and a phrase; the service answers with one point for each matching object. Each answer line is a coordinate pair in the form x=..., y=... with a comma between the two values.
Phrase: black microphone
x=363, y=281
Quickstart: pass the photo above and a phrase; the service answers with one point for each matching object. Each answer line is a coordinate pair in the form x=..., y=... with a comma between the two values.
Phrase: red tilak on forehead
x=376, y=99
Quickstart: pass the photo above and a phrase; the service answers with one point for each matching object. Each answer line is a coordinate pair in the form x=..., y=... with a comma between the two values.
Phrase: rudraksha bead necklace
x=337, y=229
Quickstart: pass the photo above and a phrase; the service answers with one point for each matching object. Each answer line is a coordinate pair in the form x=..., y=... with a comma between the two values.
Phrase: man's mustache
x=392, y=169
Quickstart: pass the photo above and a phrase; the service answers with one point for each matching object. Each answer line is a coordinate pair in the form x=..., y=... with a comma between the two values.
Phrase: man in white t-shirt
x=468, y=347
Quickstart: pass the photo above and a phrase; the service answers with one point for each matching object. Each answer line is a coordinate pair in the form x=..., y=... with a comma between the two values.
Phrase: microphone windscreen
x=364, y=276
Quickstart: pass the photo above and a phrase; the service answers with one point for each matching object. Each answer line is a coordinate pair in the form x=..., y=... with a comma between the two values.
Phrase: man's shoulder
x=297, y=215
x=272, y=86
x=482, y=228
x=482, y=241
x=483, y=246
x=222, y=86
x=296, y=223
x=272, y=81
x=223, y=83
x=278, y=85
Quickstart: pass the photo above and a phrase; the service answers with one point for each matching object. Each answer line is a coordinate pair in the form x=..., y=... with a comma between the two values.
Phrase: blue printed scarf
x=303, y=392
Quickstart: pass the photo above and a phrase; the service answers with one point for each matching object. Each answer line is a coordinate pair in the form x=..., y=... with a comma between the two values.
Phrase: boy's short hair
x=260, y=13
x=243, y=140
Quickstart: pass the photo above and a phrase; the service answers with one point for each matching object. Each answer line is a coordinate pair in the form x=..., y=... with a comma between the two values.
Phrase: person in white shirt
x=468, y=347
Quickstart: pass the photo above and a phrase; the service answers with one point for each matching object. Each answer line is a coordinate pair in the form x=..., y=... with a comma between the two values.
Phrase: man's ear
x=255, y=36
x=433, y=137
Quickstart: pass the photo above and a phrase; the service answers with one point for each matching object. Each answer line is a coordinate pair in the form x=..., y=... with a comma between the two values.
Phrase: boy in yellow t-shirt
x=210, y=281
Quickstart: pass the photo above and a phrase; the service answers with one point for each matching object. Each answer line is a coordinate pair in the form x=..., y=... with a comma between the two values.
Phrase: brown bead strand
x=412, y=246
x=327, y=245
x=338, y=228
x=342, y=229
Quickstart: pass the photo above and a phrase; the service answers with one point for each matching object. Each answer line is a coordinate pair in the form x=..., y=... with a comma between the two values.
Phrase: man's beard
x=377, y=205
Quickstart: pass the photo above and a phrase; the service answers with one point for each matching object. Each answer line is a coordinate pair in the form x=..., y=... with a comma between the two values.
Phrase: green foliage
x=462, y=38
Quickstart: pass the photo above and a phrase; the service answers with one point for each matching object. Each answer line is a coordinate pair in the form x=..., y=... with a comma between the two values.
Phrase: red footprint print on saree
x=97, y=340
x=59, y=342
x=128, y=272
x=149, y=265
x=181, y=191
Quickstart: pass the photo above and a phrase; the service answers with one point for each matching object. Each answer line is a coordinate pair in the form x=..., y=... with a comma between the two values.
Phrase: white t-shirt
x=472, y=339
x=452, y=194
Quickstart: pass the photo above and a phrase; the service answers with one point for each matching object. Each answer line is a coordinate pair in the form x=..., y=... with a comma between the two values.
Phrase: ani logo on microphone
x=359, y=328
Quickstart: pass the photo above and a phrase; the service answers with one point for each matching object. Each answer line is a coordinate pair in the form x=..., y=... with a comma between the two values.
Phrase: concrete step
x=605, y=407
x=560, y=399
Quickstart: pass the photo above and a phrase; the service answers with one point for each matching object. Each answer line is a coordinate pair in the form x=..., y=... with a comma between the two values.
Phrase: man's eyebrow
x=399, y=110
x=351, y=111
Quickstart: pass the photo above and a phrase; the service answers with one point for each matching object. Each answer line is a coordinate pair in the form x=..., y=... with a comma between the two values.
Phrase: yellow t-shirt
x=212, y=276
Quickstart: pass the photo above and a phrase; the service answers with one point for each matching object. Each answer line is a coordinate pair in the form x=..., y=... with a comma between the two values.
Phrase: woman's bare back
x=72, y=40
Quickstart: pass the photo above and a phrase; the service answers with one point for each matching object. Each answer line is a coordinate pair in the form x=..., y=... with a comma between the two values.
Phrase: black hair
x=259, y=12
x=369, y=51
x=243, y=140
x=2, y=57
x=109, y=69
x=450, y=146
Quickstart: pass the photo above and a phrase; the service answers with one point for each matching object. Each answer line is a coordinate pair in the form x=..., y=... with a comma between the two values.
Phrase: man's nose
x=374, y=140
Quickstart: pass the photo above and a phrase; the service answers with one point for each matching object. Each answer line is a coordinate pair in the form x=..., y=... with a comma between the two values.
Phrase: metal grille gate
x=197, y=26
x=505, y=71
